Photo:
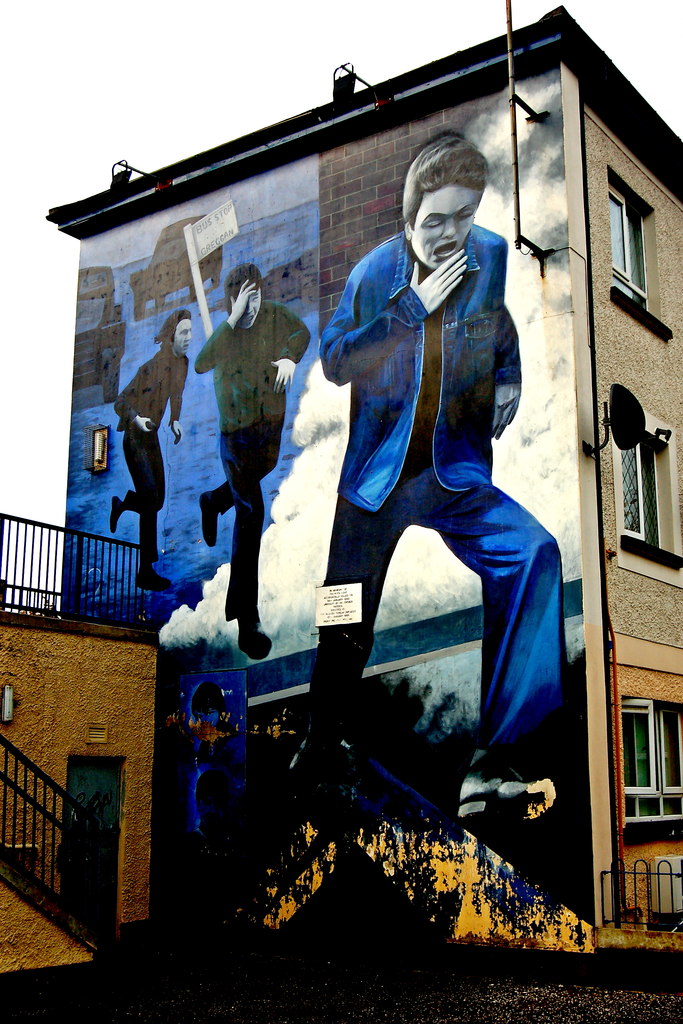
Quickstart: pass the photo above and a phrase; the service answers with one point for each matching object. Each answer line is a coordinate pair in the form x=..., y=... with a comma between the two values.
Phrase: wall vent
x=98, y=732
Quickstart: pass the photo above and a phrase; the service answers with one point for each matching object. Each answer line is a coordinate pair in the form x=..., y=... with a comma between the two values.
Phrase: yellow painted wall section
x=471, y=892
x=68, y=676
x=642, y=682
x=467, y=891
x=28, y=940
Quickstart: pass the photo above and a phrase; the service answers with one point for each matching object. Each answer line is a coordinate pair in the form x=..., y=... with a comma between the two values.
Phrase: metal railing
x=51, y=570
x=643, y=896
x=49, y=838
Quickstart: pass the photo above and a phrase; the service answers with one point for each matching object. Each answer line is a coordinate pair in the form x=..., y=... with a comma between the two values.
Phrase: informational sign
x=215, y=229
x=338, y=604
x=201, y=240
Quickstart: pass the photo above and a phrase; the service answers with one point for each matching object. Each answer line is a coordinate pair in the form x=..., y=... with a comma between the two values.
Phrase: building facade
x=417, y=625
x=637, y=313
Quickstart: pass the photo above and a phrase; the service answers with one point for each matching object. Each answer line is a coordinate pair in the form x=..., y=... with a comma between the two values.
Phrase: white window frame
x=654, y=711
x=671, y=790
x=624, y=278
x=644, y=532
x=668, y=510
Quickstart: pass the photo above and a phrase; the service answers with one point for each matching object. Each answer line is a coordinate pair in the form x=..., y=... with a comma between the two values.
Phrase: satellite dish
x=624, y=414
x=626, y=417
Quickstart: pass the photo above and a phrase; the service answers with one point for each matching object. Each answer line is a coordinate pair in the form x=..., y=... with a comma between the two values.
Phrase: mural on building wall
x=369, y=534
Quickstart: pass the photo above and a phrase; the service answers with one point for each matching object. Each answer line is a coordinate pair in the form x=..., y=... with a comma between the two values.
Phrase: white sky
x=86, y=85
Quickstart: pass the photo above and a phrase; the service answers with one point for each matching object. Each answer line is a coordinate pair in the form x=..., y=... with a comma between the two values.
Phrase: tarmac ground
x=204, y=982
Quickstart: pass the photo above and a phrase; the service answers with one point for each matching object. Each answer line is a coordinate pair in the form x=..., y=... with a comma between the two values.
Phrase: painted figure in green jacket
x=253, y=356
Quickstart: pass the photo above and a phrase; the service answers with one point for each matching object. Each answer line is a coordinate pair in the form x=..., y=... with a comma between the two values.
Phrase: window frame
x=662, y=561
x=648, y=531
x=625, y=278
x=656, y=789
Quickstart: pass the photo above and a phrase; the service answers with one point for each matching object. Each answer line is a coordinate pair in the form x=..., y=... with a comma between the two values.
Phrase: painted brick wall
x=361, y=191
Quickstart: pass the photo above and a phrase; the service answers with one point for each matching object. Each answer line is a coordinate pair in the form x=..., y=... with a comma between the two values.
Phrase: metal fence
x=51, y=839
x=50, y=570
x=644, y=895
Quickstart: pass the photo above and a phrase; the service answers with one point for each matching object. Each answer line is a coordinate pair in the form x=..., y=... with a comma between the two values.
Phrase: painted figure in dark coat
x=253, y=355
x=140, y=408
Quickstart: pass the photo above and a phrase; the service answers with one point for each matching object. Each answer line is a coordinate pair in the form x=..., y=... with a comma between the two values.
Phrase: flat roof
x=479, y=70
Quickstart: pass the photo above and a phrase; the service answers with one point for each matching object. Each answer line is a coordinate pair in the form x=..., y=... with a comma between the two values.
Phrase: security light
x=7, y=703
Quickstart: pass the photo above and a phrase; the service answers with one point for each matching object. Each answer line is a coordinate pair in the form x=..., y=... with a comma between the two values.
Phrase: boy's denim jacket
x=375, y=340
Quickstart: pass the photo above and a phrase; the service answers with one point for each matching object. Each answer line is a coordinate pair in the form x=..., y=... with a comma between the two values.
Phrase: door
x=95, y=782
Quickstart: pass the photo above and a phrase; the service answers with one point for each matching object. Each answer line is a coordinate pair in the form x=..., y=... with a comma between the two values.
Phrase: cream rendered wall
x=630, y=354
x=597, y=709
x=68, y=676
x=645, y=600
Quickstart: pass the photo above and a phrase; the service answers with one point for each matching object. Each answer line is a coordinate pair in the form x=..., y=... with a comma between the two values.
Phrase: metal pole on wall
x=513, y=121
x=532, y=117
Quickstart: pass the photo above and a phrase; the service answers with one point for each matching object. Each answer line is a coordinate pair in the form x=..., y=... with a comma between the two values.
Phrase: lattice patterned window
x=640, y=493
x=647, y=505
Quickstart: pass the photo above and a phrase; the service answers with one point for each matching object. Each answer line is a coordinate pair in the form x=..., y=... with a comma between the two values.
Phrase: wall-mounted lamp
x=344, y=83
x=122, y=177
x=624, y=414
x=7, y=703
x=657, y=441
x=96, y=447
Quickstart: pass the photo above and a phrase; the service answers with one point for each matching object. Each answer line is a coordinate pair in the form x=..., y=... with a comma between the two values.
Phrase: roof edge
x=480, y=69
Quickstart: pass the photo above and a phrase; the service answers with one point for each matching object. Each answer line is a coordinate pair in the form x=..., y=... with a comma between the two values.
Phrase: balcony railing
x=50, y=570
x=53, y=841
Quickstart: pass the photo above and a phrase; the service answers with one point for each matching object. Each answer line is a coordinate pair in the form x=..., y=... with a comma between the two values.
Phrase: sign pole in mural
x=202, y=238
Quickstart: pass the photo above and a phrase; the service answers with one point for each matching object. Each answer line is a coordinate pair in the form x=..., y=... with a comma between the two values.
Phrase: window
x=628, y=249
x=639, y=479
x=635, y=278
x=653, y=760
x=648, y=516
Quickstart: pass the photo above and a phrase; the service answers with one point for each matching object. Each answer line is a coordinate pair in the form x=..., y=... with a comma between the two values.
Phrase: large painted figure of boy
x=423, y=336
x=253, y=355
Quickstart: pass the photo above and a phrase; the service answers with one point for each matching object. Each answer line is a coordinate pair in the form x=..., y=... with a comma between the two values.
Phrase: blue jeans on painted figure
x=518, y=562
x=247, y=455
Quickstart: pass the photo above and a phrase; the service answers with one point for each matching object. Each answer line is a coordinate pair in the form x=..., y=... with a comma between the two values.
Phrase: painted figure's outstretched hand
x=285, y=372
x=505, y=407
x=177, y=431
x=438, y=285
x=145, y=424
x=239, y=305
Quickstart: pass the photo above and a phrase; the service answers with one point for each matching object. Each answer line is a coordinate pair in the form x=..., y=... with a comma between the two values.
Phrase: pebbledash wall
x=644, y=595
x=84, y=700
x=290, y=842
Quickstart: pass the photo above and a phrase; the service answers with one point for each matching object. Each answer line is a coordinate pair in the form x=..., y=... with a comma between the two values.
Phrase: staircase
x=51, y=849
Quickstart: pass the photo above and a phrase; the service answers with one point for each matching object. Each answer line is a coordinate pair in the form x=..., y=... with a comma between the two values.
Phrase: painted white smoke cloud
x=534, y=462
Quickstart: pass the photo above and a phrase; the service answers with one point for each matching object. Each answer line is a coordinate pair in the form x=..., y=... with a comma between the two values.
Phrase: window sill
x=622, y=300
x=651, y=831
x=659, y=555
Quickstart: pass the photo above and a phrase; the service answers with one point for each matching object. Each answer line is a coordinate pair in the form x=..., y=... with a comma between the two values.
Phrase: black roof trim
x=463, y=75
